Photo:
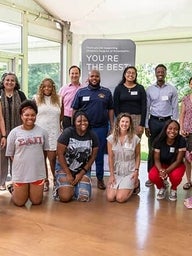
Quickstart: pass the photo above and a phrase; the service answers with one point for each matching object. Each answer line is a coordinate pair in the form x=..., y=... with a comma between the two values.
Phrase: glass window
x=10, y=38
x=44, y=61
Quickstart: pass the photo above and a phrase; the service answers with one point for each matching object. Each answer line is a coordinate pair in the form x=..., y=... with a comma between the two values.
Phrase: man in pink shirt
x=68, y=92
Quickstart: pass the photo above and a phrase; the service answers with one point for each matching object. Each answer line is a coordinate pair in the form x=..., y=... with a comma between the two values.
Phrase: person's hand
x=111, y=181
x=139, y=130
x=3, y=142
x=163, y=174
x=184, y=133
x=147, y=132
x=70, y=178
x=78, y=178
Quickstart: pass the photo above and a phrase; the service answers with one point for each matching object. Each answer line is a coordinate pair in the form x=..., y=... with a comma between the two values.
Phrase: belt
x=161, y=118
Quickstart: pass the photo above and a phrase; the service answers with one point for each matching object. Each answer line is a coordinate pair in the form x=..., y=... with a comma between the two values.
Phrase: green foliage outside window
x=38, y=72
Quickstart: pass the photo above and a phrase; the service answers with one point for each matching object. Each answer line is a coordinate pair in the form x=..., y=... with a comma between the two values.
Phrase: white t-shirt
x=27, y=147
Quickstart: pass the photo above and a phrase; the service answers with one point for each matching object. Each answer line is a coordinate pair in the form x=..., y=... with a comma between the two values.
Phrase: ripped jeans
x=82, y=190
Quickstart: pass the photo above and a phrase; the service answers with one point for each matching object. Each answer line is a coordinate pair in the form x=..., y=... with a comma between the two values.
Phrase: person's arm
x=181, y=119
x=137, y=161
x=2, y=129
x=116, y=95
x=87, y=166
x=175, y=106
x=61, y=150
x=111, y=163
x=162, y=172
x=147, y=131
x=111, y=118
x=177, y=162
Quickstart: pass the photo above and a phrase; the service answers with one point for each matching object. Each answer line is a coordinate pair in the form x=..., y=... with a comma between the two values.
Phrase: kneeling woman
x=77, y=149
x=169, y=151
x=124, y=160
x=26, y=146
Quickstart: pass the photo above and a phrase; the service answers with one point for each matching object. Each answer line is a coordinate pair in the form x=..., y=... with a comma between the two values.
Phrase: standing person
x=162, y=105
x=169, y=152
x=3, y=139
x=96, y=101
x=11, y=98
x=68, y=92
x=130, y=97
x=49, y=117
x=185, y=121
x=26, y=146
x=124, y=160
x=77, y=149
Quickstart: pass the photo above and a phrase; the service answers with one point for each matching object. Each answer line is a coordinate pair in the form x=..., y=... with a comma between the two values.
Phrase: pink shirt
x=68, y=93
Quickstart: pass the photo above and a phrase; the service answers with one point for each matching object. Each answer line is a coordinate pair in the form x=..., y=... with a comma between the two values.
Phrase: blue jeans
x=99, y=161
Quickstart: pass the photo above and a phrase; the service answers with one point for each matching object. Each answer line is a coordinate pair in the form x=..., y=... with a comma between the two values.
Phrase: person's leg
x=20, y=193
x=155, y=127
x=155, y=178
x=36, y=192
x=188, y=184
x=99, y=161
x=83, y=188
x=176, y=176
x=3, y=168
x=64, y=189
x=52, y=161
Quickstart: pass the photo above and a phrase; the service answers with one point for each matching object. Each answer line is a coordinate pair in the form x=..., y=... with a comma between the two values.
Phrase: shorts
x=37, y=182
x=82, y=188
x=124, y=182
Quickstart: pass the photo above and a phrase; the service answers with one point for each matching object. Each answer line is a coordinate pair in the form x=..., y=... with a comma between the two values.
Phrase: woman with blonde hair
x=49, y=117
x=124, y=160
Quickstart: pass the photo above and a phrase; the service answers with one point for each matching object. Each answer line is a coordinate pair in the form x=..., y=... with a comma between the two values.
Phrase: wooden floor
x=142, y=226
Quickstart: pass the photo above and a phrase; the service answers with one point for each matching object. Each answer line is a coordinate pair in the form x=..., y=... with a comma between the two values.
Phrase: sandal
x=188, y=202
x=46, y=186
x=187, y=185
x=137, y=189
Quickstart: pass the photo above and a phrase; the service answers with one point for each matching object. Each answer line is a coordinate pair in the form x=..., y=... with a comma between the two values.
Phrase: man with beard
x=96, y=101
x=162, y=105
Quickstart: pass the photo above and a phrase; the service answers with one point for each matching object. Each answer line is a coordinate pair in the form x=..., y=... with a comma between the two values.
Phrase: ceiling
x=124, y=17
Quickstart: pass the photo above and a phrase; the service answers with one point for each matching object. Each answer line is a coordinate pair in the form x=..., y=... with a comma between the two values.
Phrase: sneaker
x=101, y=184
x=10, y=188
x=148, y=183
x=161, y=194
x=173, y=195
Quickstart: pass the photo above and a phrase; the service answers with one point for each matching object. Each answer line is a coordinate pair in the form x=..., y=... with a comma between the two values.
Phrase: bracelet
x=84, y=169
x=4, y=136
x=136, y=169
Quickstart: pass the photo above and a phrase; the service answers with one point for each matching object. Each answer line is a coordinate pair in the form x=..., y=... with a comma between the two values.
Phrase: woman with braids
x=49, y=117
x=11, y=98
x=124, y=160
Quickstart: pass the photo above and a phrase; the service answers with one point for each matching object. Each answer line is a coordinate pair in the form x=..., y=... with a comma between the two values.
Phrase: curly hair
x=130, y=131
x=54, y=96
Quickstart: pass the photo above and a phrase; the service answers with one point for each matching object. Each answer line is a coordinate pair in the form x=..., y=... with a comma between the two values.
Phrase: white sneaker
x=173, y=195
x=161, y=194
x=148, y=183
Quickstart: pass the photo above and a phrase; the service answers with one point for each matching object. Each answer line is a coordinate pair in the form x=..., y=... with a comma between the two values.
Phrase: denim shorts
x=82, y=188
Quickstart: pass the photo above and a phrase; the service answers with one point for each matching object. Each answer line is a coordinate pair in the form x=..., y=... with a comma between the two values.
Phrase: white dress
x=48, y=117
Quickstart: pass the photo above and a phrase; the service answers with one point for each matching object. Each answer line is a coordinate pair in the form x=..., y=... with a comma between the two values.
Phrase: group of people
x=69, y=130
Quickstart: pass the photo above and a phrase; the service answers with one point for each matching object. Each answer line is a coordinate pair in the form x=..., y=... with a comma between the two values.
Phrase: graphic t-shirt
x=79, y=148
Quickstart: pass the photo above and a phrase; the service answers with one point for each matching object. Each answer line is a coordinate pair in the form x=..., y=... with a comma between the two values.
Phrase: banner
x=109, y=56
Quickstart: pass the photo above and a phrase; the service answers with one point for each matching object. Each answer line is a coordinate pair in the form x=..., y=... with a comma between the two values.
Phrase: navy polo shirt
x=95, y=102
